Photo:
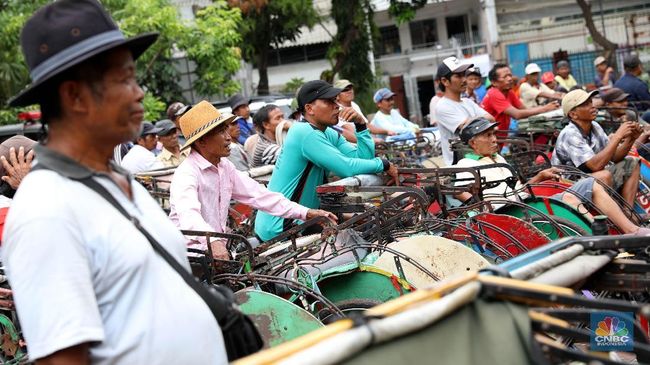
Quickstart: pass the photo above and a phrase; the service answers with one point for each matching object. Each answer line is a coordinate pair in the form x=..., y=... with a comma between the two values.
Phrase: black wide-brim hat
x=64, y=34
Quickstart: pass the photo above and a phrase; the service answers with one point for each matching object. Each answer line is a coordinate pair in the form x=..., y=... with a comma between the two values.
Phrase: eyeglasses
x=390, y=99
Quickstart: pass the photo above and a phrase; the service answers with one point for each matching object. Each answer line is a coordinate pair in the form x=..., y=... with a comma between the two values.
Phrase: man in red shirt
x=502, y=103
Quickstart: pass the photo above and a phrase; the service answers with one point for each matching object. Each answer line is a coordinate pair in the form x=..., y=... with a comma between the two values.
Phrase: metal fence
x=582, y=63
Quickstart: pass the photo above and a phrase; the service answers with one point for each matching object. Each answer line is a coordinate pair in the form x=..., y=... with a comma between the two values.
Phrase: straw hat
x=200, y=119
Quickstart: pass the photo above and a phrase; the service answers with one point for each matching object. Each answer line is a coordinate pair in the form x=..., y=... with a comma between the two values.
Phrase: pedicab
x=463, y=320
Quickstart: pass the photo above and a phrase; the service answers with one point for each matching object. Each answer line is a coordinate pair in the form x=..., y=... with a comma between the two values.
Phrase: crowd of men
x=89, y=286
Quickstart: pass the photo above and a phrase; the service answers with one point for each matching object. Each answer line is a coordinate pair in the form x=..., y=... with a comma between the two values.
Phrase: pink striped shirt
x=201, y=194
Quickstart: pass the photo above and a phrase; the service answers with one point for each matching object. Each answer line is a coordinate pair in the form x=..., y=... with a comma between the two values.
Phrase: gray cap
x=148, y=128
x=562, y=63
x=476, y=127
x=166, y=126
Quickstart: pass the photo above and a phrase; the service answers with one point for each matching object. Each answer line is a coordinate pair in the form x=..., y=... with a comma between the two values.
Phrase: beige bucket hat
x=199, y=120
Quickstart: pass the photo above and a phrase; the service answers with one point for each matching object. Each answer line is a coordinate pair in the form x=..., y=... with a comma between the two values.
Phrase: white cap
x=531, y=68
x=599, y=60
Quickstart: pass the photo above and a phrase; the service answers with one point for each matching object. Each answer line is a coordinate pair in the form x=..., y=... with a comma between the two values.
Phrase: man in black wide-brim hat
x=88, y=285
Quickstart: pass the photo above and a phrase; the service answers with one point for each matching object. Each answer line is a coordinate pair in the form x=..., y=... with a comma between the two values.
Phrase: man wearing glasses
x=502, y=103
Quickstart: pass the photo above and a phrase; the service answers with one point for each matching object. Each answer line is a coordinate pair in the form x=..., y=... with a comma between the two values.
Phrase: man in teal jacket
x=311, y=151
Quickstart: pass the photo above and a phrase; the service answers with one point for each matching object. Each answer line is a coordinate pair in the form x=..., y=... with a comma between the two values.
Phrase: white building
x=483, y=31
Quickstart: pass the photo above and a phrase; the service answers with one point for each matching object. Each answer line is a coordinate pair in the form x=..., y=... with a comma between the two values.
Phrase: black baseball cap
x=315, y=89
x=476, y=127
x=452, y=65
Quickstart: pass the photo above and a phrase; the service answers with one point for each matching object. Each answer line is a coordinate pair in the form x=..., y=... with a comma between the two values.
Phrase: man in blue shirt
x=631, y=84
x=388, y=119
x=313, y=149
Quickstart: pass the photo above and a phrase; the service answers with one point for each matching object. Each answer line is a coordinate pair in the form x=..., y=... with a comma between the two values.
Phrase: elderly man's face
x=485, y=144
x=233, y=129
x=170, y=140
x=563, y=71
x=584, y=112
x=117, y=111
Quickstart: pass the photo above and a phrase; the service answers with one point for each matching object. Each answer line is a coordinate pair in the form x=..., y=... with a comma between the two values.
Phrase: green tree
x=268, y=24
x=215, y=60
x=155, y=67
x=404, y=11
x=214, y=45
x=349, y=50
x=291, y=87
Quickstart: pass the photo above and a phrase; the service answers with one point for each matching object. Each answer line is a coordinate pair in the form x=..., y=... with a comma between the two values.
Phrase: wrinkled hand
x=6, y=301
x=552, y=173
x=312, y=213
x=219, y=250
x=350, y=115
x=392, y=172
x=626, y=130
x=17, y=167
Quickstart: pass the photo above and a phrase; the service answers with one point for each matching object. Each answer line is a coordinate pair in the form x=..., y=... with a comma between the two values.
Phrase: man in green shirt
x=312, y=150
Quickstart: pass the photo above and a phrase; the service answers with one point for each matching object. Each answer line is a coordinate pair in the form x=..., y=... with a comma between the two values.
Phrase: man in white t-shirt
x=140, y=158
x=88, y=286
x=453, y=112
x=533, y=93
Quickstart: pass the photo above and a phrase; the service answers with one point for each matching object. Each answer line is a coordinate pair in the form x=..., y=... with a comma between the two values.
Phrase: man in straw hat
x=584, y=144
x=312, y=150
x=206, y=181
x=88, y=285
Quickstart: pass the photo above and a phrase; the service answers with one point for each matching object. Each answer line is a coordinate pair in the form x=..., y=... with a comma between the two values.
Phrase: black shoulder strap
x=218, y=308
x=297, y=194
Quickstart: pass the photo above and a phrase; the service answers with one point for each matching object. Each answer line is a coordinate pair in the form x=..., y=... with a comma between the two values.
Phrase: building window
x=296, y=54
x=389, y=41
x=424, y=33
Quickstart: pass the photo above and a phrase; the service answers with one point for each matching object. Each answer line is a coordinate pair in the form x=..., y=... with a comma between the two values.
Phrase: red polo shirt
x=495, y=103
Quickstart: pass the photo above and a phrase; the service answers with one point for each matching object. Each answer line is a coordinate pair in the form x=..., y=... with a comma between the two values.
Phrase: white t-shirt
x=449, y=115
x=82, y=273
x=432, y=109
x=528, y=94
x=489, y=174
x=140, y=159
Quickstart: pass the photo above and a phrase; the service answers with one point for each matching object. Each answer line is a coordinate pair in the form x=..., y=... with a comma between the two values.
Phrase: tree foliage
x=214, y=45
x=268, y=24
x=156, y=72
x=404, y=11
x=349, y=50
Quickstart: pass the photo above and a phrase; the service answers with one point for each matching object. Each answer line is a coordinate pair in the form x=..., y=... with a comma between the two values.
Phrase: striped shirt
x=266, y=152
